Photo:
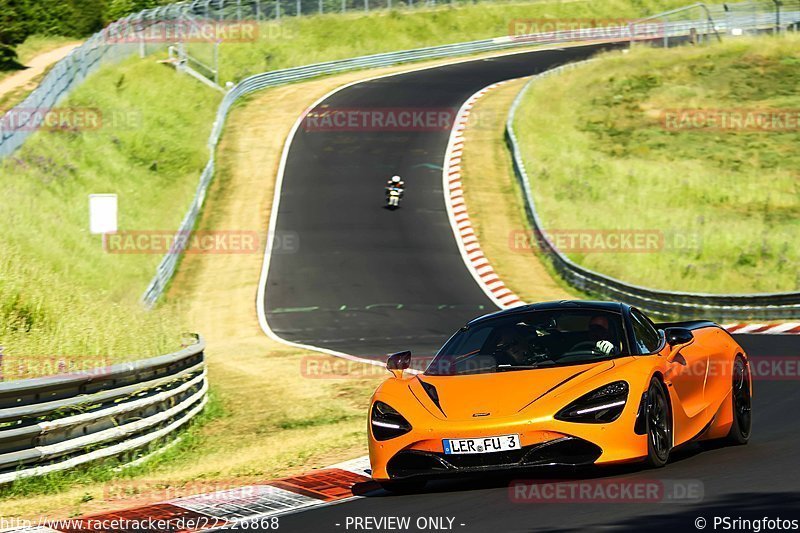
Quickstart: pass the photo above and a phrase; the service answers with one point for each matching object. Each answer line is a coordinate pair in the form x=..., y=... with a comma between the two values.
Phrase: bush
x=8, y=58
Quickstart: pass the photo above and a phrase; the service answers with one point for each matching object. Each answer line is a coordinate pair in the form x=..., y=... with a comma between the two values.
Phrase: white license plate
x=481, y=445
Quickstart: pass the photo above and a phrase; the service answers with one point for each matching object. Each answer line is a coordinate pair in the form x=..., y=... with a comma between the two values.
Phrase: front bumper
x=564, y=451
x=545, y=442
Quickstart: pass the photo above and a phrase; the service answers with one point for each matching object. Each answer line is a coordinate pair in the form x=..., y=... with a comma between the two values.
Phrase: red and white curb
x=347, y=480
x=246, y=504
x=470, y=248
x=789, y=328
x=467, y=241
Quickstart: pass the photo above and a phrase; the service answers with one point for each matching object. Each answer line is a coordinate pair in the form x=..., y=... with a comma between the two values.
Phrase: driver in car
x=510, y=348
x=600, y=334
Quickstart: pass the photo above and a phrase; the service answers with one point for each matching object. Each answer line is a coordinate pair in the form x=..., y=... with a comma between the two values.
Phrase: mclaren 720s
x=565, y=383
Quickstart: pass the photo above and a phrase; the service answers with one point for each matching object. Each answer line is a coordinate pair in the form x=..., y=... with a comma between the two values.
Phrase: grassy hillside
x=62, y=297
x=604, y=155
x=310, y=39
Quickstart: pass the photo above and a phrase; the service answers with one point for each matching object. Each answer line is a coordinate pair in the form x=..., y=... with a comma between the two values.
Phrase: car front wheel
x=742, y=403
x=659, y=425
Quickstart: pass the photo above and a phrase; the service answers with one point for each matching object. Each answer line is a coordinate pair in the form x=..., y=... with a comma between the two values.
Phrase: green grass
x=62, y=296
x=311, y=39
x=727, y=202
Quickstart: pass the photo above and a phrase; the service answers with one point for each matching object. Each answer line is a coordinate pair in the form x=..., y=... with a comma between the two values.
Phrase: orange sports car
x=558, y=383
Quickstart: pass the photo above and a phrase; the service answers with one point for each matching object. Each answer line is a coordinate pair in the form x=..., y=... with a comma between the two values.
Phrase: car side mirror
x=398, y=362
x=678, y=336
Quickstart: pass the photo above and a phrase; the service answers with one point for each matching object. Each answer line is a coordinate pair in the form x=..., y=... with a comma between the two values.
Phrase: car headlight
x=599, y=406
x=387, y=423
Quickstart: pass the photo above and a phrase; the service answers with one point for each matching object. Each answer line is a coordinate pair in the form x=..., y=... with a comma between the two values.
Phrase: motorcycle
x=393, y=195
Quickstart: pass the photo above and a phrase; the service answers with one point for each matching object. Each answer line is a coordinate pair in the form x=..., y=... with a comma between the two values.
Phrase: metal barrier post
x=777, y=16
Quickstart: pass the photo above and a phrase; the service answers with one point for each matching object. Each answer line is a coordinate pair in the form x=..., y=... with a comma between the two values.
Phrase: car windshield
x=538, y=339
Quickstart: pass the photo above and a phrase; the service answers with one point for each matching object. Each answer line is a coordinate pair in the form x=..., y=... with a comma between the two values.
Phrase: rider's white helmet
x=395, y=179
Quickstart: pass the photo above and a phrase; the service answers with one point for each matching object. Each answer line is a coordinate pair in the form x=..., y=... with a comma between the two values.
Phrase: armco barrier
x=55, y=423
x=125, y=37
x=166, y=268
x=711, y=21
x=665, y=303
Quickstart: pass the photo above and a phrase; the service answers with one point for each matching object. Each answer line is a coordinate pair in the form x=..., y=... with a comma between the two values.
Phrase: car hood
x=501, y=394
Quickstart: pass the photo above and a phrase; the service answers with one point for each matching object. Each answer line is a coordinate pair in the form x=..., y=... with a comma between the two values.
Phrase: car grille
x=569, y=451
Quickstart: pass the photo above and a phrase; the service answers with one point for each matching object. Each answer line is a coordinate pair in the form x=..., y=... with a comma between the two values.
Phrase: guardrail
x=664, y=303
x=55, y=423
x=126, y=36
x=130, y=35
x=134, y=34
x=169, y=263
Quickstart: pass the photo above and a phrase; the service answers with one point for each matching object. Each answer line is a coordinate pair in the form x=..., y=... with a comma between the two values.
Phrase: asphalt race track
x=365, y=280
x=368, y=281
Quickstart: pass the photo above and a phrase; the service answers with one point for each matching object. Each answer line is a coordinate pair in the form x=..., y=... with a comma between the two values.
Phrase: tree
x=118, y=9
x=13, y=30
x=70, y=18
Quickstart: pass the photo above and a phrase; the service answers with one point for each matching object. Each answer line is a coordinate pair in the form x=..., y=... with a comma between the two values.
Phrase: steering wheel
x=582, y=346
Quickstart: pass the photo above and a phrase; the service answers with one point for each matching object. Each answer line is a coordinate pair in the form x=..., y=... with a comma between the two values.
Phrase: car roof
x=616, y=307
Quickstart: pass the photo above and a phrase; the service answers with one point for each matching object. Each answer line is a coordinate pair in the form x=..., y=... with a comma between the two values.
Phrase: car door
x=686, y=369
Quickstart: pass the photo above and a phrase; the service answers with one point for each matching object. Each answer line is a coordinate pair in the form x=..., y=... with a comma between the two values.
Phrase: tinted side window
x=646, y=336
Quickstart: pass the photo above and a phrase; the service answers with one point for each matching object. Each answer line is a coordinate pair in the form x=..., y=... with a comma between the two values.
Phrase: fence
x=675, y=29
x=128, y=36
x=665, y=303
x=55, y=423
x=125, y=37
x=701, y=22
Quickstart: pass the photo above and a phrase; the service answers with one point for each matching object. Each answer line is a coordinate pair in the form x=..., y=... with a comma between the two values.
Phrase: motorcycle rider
x=396, y=182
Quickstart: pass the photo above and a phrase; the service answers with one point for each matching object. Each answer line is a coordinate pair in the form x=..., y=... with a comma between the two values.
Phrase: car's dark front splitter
x=566, y=451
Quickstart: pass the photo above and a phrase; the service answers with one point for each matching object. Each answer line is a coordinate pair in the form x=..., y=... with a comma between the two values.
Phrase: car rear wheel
x=403, y=486
x=659, y=425
x=742, y=403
